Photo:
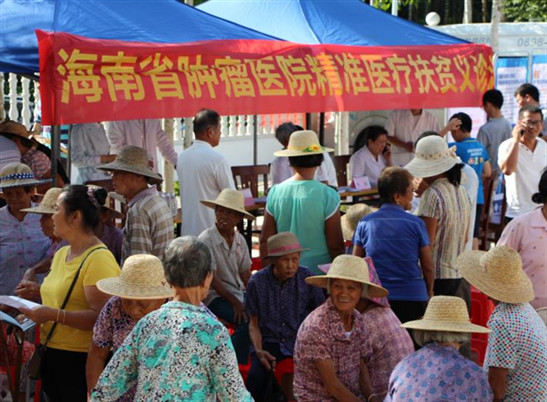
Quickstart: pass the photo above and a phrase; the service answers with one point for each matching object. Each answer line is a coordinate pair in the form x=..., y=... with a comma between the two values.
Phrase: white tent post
x=168, y=170
x=395, y=7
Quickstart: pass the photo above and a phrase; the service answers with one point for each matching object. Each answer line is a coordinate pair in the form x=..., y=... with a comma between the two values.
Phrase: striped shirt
x=451, y=207
x=148, y=225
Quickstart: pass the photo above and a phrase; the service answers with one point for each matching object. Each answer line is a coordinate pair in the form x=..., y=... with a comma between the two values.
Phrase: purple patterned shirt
x=438, y=373
x=390, y=344
x=323, y=337
x=281, y=307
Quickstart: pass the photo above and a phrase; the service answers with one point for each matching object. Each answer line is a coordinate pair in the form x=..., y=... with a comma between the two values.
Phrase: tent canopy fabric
x=158, y=21
x=342, y=22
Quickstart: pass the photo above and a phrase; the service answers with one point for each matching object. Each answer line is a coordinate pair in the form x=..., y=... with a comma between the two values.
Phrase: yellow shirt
x=100, y=264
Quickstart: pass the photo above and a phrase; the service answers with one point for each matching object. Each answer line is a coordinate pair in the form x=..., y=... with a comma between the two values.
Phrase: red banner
x=85, y=80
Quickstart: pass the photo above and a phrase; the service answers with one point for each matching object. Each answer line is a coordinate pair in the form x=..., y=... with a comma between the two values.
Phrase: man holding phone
x=522, y=158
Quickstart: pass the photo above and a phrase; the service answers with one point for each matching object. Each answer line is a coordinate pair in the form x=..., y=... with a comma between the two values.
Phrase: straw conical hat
x=350, y=268
x=142, y=277
x=231, y=199
x=47, y=206
x=497, y=273
x=352, y=217
x=302, y=143
x=446, y=313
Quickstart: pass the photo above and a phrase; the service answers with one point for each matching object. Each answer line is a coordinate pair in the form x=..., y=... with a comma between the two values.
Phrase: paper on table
x=17, y=302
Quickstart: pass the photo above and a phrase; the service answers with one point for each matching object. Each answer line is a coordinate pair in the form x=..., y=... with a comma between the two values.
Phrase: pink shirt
x=528, y=235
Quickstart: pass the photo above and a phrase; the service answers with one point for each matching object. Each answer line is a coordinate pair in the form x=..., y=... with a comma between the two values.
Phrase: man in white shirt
x=522, y=158
x=528, y=95
x=403, y=128
x=203, y=173
x=142, y=133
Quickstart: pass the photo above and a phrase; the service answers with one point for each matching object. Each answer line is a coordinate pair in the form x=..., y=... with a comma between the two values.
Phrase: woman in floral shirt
x=178, y=352
x=139, y=290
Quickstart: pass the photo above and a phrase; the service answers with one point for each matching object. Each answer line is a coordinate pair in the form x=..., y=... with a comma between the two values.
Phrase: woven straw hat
x=432, y=157
x=133, y=160
x=47, y=206
x=13, y=128
x=18, y=175
x=352, y=217
x=497, y=273
x=350, y=268
x=374, y=278
x=283, y=243
x=142, y=278
x=231, y=199
x=446, y=313
x=302, y=143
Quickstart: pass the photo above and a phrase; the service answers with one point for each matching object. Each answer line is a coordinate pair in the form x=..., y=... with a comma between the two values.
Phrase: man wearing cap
x=231, y=263
x=203, y=174
x=516, y=356
x=521, y=159
x=277, y=301
x=149, y=223
x=22, y=243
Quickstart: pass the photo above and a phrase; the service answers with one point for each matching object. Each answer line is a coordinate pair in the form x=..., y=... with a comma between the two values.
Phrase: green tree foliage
x=525, y=10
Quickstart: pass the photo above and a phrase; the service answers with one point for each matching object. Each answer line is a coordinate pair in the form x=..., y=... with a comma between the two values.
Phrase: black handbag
x=35, y=362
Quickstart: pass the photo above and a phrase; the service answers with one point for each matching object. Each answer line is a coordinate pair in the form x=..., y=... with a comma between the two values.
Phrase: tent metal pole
x=55, y=152
x=255, y=140
x=322, y=128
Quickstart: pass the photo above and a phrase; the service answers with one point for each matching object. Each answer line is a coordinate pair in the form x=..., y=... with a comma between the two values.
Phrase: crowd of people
x=373, y=304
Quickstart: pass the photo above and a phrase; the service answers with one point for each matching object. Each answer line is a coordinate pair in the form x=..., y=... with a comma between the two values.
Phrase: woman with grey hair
x=438, y=371
x=179, y=352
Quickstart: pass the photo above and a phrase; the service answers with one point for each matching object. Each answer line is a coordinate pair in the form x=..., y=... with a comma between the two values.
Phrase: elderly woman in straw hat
x=516, y=356
x=140, y=289
x=22, y=243
x=231, y=265
x=438, y=372
x=349, y=222
x=71, y=301
x=304, y=206
x=389, y=342
x=277, y=301
x=332, y=342
x=399, y=245
x=179, y=352
x=445, y=209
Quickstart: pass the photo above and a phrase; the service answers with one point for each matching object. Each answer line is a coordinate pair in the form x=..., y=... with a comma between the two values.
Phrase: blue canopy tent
x=341, y=22
x=156, y=21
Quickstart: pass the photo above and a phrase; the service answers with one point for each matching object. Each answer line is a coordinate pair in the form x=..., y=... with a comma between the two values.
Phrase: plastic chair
x=481, y=309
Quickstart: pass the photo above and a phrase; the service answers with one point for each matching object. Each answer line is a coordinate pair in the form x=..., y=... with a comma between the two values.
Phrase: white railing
x=23, y=96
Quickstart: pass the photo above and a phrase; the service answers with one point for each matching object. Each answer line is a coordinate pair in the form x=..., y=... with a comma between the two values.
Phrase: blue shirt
x=302, y=207
x=393, y=239
x=281, y=307
x=474, y=154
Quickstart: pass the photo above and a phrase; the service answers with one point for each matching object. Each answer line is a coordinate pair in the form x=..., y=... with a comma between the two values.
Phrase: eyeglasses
x=532, y=123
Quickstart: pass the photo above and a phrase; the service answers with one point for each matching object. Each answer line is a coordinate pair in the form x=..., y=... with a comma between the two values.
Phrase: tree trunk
x=468, y=12
x=494, y=30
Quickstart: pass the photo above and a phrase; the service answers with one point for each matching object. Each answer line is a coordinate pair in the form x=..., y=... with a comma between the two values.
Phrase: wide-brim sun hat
x=302, y=143
x=18, y=175
x=497, y=273
x=374, y=278
x=231, y=199
x=350, y=268
x=13, y=128
x=142, y=278
x=283, y=243
x=133, y=159
x=352, y=217
x=47, y=206
x=432, y=157
x=447, y=314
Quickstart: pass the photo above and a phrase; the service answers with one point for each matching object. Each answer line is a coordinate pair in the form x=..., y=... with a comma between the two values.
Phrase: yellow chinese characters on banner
x=281, y=77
